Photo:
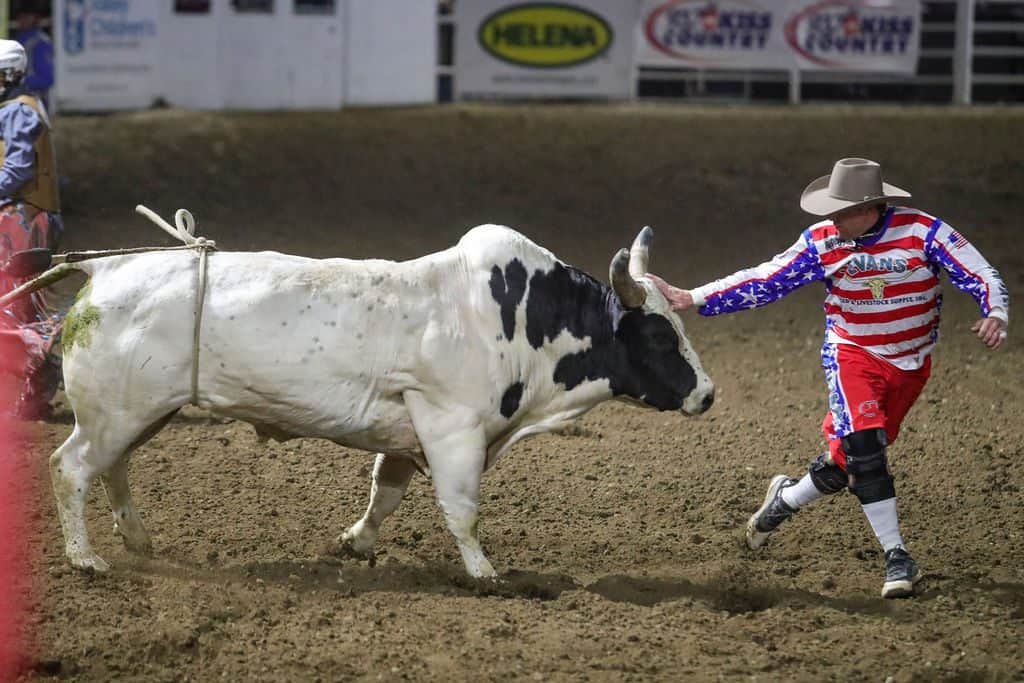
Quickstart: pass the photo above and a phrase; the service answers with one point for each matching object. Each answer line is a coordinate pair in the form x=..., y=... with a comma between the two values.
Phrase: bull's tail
x=55, y=274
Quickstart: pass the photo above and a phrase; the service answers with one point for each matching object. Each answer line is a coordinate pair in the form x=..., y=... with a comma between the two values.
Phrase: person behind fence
x=29, y=218
x=880, y=263
x=38, y=49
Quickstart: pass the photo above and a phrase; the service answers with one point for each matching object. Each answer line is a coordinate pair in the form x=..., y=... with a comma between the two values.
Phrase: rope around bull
x=184, y=229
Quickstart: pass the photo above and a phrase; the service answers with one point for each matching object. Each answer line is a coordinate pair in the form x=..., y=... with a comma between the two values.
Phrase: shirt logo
x=877, y=287
x=876, y=272
x=867, y=263
x=868, y=408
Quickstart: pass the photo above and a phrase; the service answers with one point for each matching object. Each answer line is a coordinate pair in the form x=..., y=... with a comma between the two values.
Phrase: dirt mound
x=619, y=541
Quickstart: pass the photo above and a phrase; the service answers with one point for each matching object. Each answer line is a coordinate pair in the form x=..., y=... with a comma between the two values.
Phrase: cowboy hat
x=853, y=182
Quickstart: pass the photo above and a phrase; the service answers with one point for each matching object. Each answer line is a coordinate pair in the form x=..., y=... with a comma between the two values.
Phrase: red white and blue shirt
x=883, y=291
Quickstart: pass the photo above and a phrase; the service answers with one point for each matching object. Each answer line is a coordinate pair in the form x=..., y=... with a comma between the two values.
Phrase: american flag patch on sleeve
x=956, y=239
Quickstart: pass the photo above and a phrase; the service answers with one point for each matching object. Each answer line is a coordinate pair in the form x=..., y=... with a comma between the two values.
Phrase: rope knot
x=184, y=227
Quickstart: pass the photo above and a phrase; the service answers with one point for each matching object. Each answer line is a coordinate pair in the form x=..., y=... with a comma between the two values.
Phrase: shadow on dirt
x=356, y=578
x=351, y=579
x=725, y=596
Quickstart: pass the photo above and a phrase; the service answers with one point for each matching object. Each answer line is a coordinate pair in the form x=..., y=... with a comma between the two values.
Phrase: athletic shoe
x=771, y=514
x=901, y=574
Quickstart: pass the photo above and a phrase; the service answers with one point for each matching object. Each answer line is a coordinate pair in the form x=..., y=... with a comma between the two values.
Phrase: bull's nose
x=709, y=399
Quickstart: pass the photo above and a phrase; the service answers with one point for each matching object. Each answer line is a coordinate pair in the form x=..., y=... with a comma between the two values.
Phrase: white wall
x=189, y=58
x=368, y=52
x=281, y=60
x=392, y=52
x=315, y=68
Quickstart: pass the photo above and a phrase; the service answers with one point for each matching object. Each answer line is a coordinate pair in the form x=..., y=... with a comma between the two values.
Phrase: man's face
x=855, y=221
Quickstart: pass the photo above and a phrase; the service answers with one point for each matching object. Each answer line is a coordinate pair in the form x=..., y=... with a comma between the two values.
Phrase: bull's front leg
x=391, y=477
x=456, y=450
x=456, y=466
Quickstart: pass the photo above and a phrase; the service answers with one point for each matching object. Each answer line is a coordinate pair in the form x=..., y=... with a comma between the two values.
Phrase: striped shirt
x=882, y=290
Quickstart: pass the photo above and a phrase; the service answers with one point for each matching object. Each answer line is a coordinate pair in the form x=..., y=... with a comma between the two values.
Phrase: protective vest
x=41, y=190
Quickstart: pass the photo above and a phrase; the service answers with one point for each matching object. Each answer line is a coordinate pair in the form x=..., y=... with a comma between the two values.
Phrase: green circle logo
x=545, y=35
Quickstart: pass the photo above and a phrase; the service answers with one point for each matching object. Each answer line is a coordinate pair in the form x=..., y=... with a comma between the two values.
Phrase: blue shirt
x=39, y=50
x=20, y=125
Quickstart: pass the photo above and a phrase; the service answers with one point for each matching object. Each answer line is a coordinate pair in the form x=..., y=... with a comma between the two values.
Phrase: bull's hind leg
x=391, y=477
x=72, y=476
x=99, y=449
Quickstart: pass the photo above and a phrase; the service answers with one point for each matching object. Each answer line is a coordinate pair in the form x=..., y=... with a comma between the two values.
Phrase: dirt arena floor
x=619, y=541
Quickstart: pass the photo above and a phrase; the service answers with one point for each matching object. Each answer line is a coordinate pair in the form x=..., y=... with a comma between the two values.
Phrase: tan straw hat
x=853, y=182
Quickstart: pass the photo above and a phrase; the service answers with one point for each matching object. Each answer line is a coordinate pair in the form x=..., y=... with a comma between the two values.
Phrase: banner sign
x=742, y=34
x=837, y=35
x=106, y=53
x=867, y=35
x=544, y=49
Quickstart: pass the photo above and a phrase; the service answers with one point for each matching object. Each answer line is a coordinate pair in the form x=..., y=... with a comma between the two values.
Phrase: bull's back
x=301, y=346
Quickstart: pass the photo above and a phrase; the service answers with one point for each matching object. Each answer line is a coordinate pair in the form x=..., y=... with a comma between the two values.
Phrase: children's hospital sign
x=108, y=53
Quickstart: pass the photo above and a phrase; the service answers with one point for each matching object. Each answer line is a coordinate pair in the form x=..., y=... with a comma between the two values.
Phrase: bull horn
x=631, y=293
x=640, y=252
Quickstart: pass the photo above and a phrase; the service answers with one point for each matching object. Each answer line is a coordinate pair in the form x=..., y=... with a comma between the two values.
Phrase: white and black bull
x=437, y=364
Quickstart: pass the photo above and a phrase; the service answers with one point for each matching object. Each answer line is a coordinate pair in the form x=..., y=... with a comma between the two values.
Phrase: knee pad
x=826, y=476
x=867, y=466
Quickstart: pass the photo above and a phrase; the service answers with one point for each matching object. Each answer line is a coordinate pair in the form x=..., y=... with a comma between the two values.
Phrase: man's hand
x=678, y=299
x=992, y=331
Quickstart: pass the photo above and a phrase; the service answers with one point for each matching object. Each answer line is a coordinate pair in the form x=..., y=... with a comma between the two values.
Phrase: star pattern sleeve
x=762, y=284
x=968, y=270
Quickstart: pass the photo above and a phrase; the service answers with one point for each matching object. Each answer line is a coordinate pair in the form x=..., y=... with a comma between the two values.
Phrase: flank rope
x=184, y=229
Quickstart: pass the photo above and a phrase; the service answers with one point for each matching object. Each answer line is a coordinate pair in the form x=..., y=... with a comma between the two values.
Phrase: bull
x=438, y=364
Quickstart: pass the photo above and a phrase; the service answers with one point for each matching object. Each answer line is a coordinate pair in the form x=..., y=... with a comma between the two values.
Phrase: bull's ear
x=640, y=253
x=630, y=292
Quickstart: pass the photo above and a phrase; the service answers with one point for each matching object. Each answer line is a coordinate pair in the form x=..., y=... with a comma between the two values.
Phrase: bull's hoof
x=482, y=570
x=139, y=544
x=342, y=548
x=89, y=562
x=143, y=548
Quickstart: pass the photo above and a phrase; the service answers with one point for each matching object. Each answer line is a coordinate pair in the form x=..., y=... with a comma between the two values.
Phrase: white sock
x=883, y=519
x=801, y=493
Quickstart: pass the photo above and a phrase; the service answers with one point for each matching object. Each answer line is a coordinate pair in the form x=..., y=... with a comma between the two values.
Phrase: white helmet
x=13, y=61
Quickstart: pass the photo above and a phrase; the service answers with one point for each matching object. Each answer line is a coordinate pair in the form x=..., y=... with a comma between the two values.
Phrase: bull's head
x=662, y=368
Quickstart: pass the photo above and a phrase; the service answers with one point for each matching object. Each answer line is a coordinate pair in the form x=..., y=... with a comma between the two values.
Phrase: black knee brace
x=867, y=466
x=826, y=476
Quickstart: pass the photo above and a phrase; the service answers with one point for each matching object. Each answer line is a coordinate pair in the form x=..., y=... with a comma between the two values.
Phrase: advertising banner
x=106, y=53
x=834, y=35
x=861, y=35
x=728, y=34
x=515, y=49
